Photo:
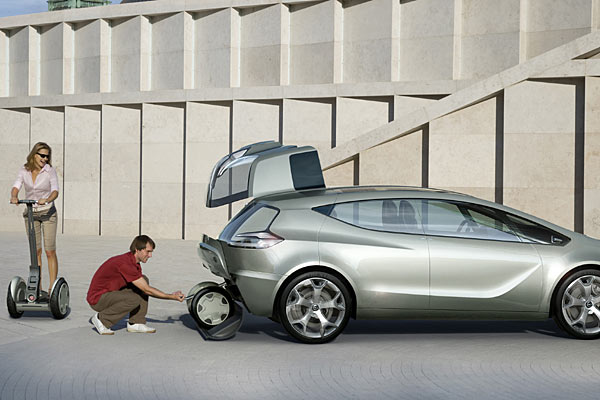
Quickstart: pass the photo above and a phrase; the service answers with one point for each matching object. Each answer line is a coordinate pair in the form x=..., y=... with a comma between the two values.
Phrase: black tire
x=577, y=305
x=59, y=299
x=211, y=307
x=11, y=303
x=334, y=298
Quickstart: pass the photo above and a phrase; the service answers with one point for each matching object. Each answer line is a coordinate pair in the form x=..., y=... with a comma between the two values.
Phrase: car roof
x=350, y=193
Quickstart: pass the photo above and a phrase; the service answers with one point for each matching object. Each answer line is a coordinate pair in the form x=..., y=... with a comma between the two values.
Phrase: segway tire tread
x=12, y=305
x=61, y=285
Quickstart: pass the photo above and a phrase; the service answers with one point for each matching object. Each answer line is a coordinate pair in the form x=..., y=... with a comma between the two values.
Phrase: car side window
x=386, y=215
x=536, y=233
x=445, y=218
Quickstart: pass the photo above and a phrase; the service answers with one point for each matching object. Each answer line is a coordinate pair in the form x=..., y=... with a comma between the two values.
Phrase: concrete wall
x=592, y=158
x=120, y=182
x=47, y=125
x=462, y=148
x=162, y=170
x=81, y=188
x=14, y=146
x=539, y=147
x=252, y=44
x=140, y=101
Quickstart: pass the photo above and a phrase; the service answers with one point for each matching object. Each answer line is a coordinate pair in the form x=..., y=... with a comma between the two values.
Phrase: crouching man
x=118, y=288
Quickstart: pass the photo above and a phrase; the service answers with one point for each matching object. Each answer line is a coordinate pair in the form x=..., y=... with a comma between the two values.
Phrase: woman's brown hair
x=30, y=164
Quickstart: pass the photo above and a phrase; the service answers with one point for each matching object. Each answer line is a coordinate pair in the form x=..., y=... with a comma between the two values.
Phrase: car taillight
x=255, y=240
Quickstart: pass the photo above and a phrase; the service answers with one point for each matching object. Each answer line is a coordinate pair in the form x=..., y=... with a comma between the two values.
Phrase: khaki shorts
x=42, y=223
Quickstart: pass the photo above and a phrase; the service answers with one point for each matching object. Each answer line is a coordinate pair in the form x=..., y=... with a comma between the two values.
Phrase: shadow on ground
x=257, y=325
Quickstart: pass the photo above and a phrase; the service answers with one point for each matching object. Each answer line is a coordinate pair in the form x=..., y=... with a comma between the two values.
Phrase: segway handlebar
x=27, y=202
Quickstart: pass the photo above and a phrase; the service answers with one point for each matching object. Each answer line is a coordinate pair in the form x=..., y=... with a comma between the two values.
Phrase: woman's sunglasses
x=43, y=155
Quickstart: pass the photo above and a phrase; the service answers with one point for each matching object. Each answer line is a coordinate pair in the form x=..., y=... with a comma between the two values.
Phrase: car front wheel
x=315, y=307
x=577, y=305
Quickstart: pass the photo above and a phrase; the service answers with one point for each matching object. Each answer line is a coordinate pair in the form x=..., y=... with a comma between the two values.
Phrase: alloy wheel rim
x=315, y=308
x=580, y=304
x=212, y=308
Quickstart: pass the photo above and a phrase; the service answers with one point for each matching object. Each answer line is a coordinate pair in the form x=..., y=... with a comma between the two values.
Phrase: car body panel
x=475, y=274
x=389, y=270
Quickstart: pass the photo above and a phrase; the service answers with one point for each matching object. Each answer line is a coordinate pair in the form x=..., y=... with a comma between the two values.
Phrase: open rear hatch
x=263, y=168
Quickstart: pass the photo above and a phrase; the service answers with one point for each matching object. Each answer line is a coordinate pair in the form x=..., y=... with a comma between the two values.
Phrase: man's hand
x=14, y=200
x=41, y=202
x=178, y=295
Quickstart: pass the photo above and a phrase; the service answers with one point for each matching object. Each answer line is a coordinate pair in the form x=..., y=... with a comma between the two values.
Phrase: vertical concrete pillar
x=395, y=41
x=4, y=64
x=188, y=51
x=34, y=46
x=595, y=15
x=145, y=54
x=68, y=58
x=338, y=41
x=457, y=53
x=105, y=55
x=523, y=17
x=236, y=48
x=284, y=52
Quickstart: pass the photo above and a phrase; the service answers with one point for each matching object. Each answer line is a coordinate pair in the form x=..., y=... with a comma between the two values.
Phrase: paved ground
x=41, y=358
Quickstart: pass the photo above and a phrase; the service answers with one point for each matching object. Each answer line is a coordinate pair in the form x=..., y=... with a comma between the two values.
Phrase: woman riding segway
x=41, y=184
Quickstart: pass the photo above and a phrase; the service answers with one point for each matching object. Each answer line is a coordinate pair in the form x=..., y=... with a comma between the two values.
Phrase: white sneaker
x=100, y=326
x=139, y=328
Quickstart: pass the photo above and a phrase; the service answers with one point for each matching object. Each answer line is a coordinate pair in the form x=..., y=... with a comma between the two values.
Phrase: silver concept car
x=312, y=257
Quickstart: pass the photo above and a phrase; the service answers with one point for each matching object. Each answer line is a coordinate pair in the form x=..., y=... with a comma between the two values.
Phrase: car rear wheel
x=315, y=307
x=577, y=305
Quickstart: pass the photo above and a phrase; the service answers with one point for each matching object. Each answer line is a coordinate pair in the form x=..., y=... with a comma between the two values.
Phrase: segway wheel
x=59, y=299
x=11, y=303
x=211, y=306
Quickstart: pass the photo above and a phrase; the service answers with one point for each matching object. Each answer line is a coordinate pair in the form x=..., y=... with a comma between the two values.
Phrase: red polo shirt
x=113, y=275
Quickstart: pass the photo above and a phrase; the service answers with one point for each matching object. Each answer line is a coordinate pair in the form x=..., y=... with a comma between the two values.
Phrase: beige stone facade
x=499, y=99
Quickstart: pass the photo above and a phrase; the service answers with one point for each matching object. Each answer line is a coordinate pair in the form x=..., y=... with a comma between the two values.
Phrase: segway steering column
x=32, y=291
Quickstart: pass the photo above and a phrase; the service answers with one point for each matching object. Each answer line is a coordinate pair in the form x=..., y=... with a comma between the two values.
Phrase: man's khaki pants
x=113, y=306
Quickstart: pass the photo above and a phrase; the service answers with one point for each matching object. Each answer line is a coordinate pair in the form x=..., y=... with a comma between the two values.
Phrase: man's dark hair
x=140, y=242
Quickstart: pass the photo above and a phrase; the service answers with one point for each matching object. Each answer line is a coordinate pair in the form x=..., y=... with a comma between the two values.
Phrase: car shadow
x=254, y=325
